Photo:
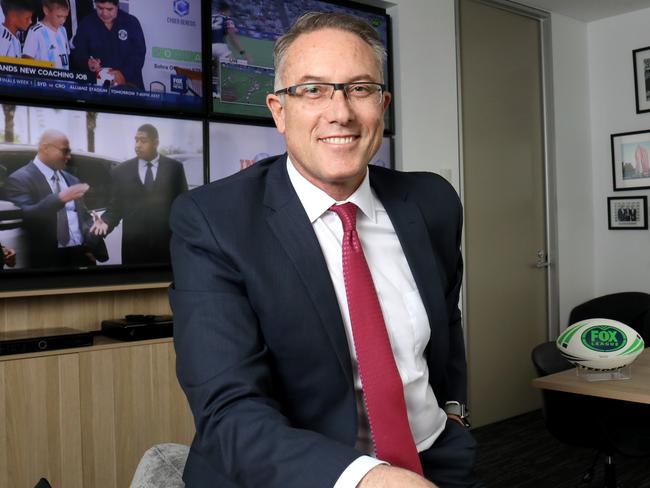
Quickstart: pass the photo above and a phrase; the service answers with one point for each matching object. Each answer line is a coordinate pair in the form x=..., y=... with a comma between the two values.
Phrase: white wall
x=424, y=61
x=622, y=258
x=573, y=169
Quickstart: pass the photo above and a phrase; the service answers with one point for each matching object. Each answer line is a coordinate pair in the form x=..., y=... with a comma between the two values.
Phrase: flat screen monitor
x=135, y=56
x=53, y=243
x=241, y=80
x=234, y=147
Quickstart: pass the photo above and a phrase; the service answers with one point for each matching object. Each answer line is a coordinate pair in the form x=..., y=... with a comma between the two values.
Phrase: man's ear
x=277, y=111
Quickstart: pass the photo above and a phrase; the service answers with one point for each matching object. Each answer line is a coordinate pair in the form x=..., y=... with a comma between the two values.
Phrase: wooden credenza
x=83, y=417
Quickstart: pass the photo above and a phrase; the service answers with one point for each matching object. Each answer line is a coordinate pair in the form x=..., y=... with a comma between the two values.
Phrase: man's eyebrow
x=320, y=79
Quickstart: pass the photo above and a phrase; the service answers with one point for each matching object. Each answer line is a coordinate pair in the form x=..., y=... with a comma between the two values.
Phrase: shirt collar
x=316, y=202
x=154, y=161
x=44, y=168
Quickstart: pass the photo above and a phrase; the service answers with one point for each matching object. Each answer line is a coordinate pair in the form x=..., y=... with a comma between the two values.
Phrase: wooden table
x=636, y=389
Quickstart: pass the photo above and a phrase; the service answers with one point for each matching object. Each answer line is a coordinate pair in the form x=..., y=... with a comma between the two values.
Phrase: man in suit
x=55, y=218
x=143, y=189
x=292, y=321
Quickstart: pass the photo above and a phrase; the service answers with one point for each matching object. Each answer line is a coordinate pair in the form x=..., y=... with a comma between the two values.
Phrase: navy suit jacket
x=261, y=348
x=144, y=214
x=29, y=189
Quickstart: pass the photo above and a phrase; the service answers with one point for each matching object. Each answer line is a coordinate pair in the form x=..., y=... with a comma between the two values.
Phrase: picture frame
x=630, y=160
x=641, y=59
x=627, y=213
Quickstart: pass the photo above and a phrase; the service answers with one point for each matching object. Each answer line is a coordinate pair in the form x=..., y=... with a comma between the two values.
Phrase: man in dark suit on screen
x=55, y=218
x=315, y=299
x=143, y=189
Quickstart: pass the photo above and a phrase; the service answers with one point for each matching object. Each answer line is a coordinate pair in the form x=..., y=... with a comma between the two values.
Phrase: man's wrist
x=458, y=410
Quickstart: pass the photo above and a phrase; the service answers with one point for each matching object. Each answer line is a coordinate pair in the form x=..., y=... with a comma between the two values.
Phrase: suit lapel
x=288, y=221
x=161, y=174
x=42, y=185
x=415, y=240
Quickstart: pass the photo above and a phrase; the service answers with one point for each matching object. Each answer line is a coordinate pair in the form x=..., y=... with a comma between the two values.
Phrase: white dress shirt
x=404, y=314
x=142, y=167
x=76, y=239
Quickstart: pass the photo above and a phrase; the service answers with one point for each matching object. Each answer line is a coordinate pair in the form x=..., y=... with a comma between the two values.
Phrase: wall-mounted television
x=108, y=152
x=242, y=35
x=234, y=147
x=138, y=55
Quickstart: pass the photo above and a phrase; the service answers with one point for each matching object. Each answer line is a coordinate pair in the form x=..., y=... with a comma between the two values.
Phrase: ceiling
x=589, y=10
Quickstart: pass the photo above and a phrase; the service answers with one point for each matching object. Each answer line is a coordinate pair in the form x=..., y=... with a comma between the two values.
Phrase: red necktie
x=383, y=390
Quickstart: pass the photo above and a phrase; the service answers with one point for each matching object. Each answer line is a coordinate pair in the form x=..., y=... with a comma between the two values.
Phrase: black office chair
x=631, y=307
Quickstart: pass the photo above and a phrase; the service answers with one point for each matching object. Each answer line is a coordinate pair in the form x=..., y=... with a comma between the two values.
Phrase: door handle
x=542, y=260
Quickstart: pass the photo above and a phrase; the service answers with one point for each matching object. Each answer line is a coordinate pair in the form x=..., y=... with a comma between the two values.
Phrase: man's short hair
x=16, y=6
x=56, y=3
x=114, y=2
x=150, y=130
x=313, y=21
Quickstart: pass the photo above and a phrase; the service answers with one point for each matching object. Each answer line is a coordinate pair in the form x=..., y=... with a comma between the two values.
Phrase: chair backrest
x=548, y=360
x=630, y=307
x=161, y=466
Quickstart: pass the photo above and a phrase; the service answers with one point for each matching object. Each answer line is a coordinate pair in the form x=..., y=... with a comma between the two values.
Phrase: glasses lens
x=314, y=91
x=363, y=92
x=320, y=95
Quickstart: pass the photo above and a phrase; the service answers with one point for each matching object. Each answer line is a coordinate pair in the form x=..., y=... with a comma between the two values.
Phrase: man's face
x=23, y=19
x=145, y=147
x=106, y=11
x=330, y=147
x=56, y=153
x=56, y=15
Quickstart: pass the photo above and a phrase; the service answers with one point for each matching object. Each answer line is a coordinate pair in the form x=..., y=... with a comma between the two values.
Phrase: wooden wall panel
x=83, y=311
x=41, y=439
x=84, y=419
x=98, y=418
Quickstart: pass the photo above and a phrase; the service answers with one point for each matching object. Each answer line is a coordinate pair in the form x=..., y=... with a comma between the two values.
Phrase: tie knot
x=149, y=164
x=55, y=176
x=347, y=212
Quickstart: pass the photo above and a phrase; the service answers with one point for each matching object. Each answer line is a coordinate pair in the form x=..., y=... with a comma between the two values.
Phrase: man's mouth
x=338, y=140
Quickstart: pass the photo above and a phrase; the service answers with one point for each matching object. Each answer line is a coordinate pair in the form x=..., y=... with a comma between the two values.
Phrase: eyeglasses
x=319, y=95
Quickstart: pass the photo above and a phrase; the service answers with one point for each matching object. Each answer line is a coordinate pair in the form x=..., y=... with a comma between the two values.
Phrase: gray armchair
x=161, y=466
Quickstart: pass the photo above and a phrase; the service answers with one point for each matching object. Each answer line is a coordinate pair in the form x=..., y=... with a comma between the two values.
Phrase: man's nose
x=340, y=109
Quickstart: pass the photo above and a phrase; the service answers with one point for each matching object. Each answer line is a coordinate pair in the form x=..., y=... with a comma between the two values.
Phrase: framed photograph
x=630, y=160
x=642, y=78
x=627, y=213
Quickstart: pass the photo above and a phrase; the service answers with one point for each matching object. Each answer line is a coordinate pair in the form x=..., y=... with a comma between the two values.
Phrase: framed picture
x=627, y=213
x=642, y=78
x=631, y=160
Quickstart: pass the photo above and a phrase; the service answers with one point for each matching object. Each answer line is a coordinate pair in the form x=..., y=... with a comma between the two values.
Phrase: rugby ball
x=600, y=344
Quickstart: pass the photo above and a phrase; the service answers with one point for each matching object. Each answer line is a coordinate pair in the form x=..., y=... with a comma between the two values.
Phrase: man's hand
x=99, y=227
x=73, y=192
x=384, y=476
x=119, y=77
x=9, y=256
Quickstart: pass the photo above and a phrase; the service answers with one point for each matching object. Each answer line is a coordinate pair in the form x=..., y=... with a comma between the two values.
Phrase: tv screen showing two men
x=93, y=189
x=124, y=53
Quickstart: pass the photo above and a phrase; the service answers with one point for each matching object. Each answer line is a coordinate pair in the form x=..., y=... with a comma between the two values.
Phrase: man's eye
x=361, y=90
x=312, y=90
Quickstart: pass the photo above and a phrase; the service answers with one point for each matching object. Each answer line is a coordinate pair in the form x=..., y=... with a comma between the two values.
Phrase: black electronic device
x=34, y=340
x=139, y=327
